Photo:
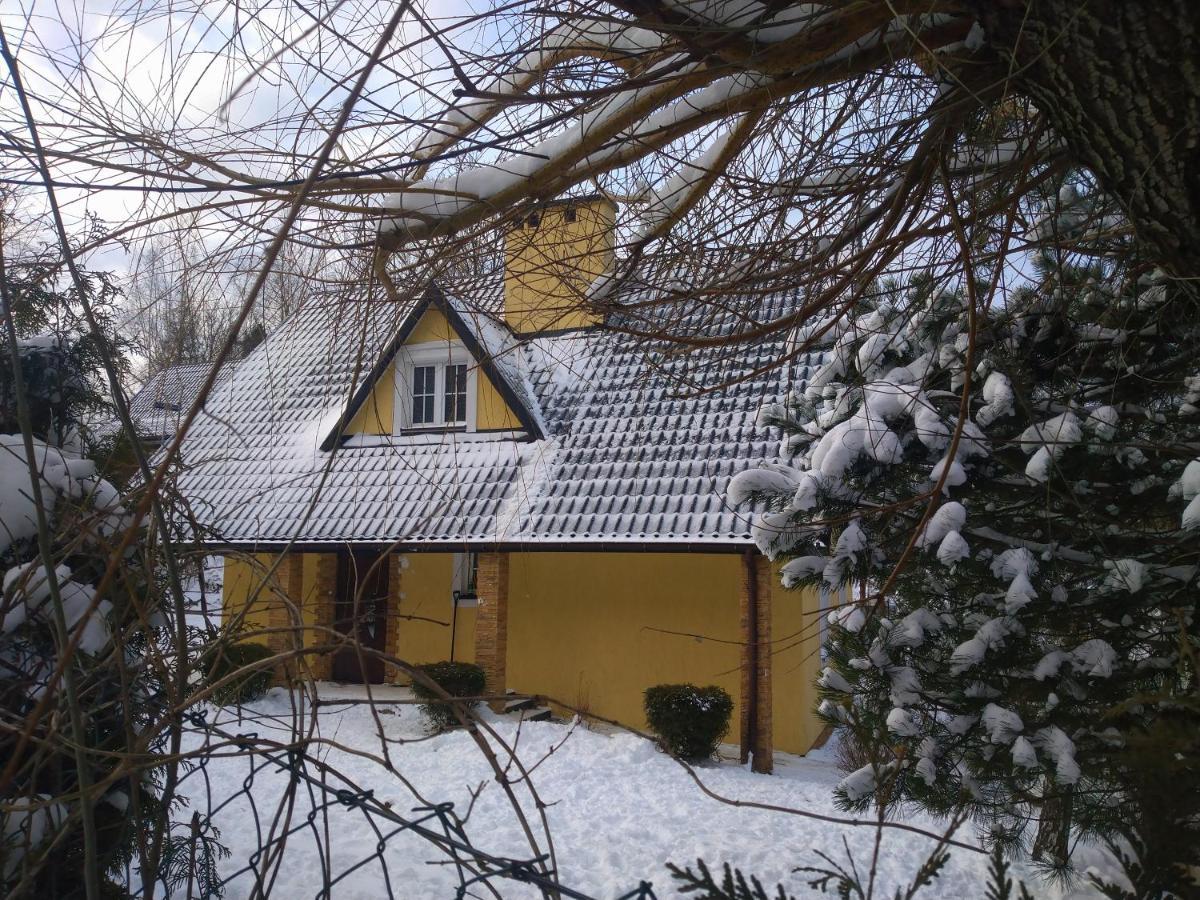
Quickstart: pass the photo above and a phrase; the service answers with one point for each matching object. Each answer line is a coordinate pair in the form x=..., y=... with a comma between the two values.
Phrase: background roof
x=157, y=408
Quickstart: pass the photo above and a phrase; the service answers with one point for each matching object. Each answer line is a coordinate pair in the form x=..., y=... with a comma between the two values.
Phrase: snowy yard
x=618, y=809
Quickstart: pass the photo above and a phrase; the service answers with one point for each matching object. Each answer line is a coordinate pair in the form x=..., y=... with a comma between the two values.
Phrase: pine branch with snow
x=1039, y=617
x=85, y=659
x=733, y=886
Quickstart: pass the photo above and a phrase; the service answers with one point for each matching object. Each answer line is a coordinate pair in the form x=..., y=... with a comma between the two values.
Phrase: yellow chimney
x=551, y=257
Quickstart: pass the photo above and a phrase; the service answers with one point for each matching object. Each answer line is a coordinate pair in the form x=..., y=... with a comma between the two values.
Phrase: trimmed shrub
x=458, y=679
x=246, y=685
x=689, y=720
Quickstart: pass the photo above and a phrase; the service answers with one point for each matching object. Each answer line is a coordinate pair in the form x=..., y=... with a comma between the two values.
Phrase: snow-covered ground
x=618, y=809
x=204, y=600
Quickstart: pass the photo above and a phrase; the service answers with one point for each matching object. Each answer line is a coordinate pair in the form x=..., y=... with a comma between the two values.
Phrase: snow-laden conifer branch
x=1047, y=617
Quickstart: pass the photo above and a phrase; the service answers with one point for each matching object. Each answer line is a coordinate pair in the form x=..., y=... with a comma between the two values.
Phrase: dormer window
x=435, y=389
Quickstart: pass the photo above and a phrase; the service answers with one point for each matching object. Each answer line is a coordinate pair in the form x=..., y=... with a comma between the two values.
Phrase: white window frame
x=439, y=355
x=459, y=579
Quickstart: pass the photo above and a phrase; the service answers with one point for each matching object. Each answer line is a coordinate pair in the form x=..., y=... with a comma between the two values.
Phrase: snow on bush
x=689, y=720
x=28, y=587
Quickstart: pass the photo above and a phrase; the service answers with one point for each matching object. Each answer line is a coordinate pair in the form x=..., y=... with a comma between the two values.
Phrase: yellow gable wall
x=376, y=415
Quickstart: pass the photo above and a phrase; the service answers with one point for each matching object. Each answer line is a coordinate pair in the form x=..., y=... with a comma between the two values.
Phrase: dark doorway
x=361, y=612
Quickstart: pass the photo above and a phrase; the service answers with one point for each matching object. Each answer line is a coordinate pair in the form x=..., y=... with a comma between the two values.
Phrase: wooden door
x=361, y=612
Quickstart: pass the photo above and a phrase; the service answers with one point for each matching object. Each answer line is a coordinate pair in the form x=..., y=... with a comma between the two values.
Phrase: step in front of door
x=527, y=707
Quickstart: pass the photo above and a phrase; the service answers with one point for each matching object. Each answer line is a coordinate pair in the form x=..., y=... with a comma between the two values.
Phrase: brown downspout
x=750, y=739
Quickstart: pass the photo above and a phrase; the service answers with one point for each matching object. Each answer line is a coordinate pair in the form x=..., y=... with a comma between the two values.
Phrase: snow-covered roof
x=628, y=440
x=157, y=408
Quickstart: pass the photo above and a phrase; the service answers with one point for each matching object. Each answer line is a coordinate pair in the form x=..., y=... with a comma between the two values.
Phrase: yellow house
x=481, y=472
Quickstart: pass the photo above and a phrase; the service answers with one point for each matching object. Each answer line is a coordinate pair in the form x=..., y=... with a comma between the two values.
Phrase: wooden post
x=755, y=618
x=395, y=603
x=491, y=621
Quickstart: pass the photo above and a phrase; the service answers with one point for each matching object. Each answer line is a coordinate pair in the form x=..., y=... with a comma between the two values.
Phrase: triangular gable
x=485, y=343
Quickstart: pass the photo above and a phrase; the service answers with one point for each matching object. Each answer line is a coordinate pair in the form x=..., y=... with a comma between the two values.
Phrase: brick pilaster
x=491, y=620
x=323, y=598
x=284, y=595
x=282, y=589
x=391, y=674
x=756, y=695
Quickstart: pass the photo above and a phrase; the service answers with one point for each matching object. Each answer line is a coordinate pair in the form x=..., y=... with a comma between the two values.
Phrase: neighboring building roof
x=627, y=442
x=157, y=408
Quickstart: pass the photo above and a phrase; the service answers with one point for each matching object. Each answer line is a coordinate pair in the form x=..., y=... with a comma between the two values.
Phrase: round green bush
x=689, y=720
x=458, y=679
x=246, y=685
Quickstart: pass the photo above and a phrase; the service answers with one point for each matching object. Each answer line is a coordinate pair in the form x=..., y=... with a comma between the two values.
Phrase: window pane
x=456, y=393
x=424, y=392
x=472, y=573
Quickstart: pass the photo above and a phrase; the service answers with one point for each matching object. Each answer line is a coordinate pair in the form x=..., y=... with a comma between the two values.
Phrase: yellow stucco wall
x=247, y=603
x=795, y=665
x=592, y=630
x=376, y=415
x=595, y=629
x=427, y=596
x=491, y=412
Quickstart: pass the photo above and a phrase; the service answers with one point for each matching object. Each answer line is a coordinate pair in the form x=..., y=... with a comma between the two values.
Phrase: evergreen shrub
x=458, y=679
x=689, y=720
x=247, y=685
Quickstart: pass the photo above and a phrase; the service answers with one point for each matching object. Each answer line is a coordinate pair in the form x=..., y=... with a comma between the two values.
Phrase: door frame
x=347, y=665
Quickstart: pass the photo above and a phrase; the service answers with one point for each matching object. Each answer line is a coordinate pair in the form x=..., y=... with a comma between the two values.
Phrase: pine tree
x=1025, y=642
x=84, y=732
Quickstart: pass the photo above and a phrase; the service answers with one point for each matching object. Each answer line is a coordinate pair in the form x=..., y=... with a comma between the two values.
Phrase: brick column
x=755, y=701
x=323, y=598
x=391, y=674
x=285, y=591
x=291, y=584
x=491, y=620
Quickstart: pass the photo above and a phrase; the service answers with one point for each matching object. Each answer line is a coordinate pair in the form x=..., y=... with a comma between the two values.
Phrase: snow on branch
x=621, y=43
